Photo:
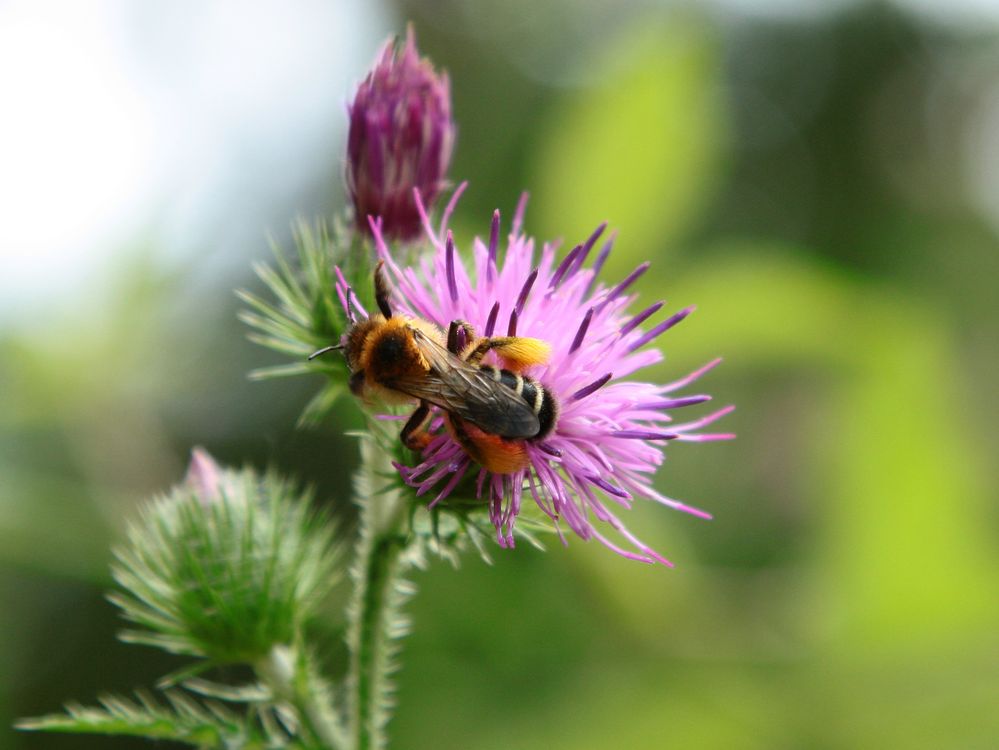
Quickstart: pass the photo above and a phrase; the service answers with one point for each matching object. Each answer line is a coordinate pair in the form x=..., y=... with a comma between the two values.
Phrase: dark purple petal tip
x=526, y=290
x=661, y=328
x=607, y=487
x=581, y=331
x=674, y=403
x=592, y=387
x=452, y=282
x=491, y=320
x=644, y=435
x=494, y=230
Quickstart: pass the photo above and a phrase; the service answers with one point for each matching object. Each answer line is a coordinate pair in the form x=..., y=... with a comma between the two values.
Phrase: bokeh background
x=821, y=178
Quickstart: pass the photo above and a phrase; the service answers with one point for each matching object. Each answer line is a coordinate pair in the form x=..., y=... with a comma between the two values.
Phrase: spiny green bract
x=302, y=313
x=225, y=574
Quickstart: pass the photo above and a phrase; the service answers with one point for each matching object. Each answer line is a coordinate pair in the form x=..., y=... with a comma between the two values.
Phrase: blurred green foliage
x=845, y=595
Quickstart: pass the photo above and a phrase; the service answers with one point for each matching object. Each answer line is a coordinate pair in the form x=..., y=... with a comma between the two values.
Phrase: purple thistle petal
x=688, y=379
x=643, y=435
x=551, y=450
x=607, y=487
x=449, y=208
x=640, y=318
x=541, y=498
x=581, y=331
x=706, y=437
x=661, y=328
x=564, y=266
x=341, y=293
x=525, y=290
x=518, y=214
x=630, y=279
x=591, y=388
x=494, y=230
x=404, y=471
x=598, y=264
x=452, y=282
x=705, y=421
x=694, y=511
x=511, y=330
x=587, y=247
x=491, y=321
x=452, y=483
x=672, y=403
x=421, y=210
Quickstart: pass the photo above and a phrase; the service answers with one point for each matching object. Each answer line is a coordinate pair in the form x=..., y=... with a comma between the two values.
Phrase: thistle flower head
x=401, y=137
x=610, y=431
x=226, y=566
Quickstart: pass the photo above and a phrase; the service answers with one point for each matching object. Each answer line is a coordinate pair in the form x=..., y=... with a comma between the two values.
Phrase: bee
x=492, y=412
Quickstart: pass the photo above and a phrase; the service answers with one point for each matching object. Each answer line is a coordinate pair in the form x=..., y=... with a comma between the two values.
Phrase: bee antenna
x=383, y=290
x=324, y=350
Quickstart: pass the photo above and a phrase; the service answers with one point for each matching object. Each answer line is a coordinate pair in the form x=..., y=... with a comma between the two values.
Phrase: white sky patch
x=186, y=120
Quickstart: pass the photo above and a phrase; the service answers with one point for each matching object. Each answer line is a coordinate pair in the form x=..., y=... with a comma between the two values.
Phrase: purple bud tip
x=581, y=331
x=592, y=387
x=204, y=475
x=452, y=282
x=401, y=136
x=491, y=320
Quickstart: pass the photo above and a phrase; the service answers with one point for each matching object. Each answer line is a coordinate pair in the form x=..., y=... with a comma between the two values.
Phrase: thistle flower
x=610, y=432
x=401, y=137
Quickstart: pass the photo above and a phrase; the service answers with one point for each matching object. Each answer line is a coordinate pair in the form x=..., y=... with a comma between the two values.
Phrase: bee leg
x=383, y=289
x=459, y=335
x=475, y=355
x=414, y=433
x=517, y=352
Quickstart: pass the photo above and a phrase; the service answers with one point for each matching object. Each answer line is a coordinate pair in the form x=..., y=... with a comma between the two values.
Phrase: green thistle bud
x=226, y=566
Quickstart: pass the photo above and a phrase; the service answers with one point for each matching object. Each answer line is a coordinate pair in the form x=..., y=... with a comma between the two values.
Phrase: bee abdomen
x=534, y=394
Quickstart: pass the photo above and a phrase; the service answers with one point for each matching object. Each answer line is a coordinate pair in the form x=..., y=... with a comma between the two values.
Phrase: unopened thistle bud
x=401, y=137
x=225, y=567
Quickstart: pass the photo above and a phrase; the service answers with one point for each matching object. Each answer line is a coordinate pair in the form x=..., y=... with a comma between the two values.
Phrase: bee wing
x=465, y=390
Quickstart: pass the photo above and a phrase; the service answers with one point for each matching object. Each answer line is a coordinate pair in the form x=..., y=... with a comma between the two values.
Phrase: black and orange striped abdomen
x=535, y=395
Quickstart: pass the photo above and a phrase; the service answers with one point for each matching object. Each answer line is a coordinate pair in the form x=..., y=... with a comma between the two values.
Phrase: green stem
x=292, y=680
x=374, y=620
